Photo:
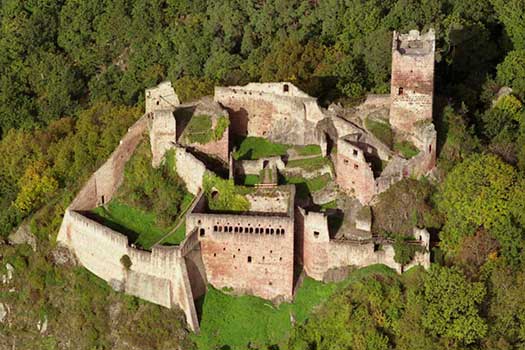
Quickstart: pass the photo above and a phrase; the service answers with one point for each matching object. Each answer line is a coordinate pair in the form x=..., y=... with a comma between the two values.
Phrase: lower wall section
x=321, y=254
x=159, y=276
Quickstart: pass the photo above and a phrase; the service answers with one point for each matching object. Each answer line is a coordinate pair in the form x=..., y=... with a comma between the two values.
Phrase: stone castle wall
x=162, y=134
x=252, y=254
x=190, y=169
x=103, y=184
x=161, y=97
x=354, y=174
x=266, y=110
x=321, y=254
x=412, y=83
x=159, y=276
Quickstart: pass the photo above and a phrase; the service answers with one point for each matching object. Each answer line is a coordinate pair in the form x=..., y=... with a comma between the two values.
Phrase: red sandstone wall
x=218, y=149
x=274, y=116
x=355, y=177
x=254, y=263
x=103, y=184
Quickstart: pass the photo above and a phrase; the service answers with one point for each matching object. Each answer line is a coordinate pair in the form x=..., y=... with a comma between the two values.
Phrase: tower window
x=400, y=91
x=316, y=234
x=249, y=259
x=202, y=232
x=286, y=88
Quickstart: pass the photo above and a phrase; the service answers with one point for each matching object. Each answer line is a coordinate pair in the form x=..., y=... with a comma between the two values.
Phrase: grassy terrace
x=304, y=187
x=140, y=227
x=258, y=147
x=406, y=149
x=309, y=164
x=150, y=204
x=199, y=129
x=230, y=322
x=250, y=148
x=381, y=130
x=308, y=150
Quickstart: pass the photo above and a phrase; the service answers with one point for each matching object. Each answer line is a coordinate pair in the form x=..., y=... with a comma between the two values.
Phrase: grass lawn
x=239, y=321
x=176, y=237
x=139, y=226
x=381, y=130
x=309, y=164
x=304, y=187
x=250, y=180
x=258, y=147
x=406, y=148
x=308, y=150
x=329, y=205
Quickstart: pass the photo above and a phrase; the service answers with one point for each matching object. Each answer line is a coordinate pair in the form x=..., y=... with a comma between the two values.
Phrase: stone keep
x=412, y=85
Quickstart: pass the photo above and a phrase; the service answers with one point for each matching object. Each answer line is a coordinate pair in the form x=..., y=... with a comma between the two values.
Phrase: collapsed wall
x=277, y=111
x=320, y=253
x=354, y=173
x=217, y=147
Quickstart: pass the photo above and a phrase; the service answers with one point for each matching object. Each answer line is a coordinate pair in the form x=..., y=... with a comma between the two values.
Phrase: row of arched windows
x=255, y=230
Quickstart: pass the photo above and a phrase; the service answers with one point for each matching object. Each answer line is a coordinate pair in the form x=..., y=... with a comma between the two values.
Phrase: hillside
x=72, y=78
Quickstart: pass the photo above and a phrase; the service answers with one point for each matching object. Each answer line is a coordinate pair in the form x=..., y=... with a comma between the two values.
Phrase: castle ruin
x=255, y=250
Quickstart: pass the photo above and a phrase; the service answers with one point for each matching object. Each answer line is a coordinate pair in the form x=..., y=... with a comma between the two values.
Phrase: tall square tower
x=412, y=84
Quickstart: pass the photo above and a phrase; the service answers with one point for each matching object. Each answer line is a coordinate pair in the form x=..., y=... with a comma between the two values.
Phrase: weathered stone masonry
x=253, y=252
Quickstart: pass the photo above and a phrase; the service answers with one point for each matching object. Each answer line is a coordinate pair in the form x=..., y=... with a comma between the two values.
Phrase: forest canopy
x=72, y=77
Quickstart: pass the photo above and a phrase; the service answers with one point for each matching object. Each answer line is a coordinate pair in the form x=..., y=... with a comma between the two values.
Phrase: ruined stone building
x=255, y=250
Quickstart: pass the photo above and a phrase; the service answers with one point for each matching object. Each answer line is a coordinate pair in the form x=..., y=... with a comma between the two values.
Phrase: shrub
x=126, y=261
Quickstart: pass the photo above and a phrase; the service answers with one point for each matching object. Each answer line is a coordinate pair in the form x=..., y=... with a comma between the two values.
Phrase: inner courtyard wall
x=354, y=173
x=267, y=110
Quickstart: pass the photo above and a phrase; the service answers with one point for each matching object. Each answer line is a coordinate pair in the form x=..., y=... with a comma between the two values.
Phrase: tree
x=511, y=72
x=452, y=306
x=476, y=193
x=510, y=12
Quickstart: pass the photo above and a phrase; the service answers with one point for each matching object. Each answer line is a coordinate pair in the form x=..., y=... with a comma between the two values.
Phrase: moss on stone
x=406, y=149
x=381, y=130
x=200, y=129
x=223, y=195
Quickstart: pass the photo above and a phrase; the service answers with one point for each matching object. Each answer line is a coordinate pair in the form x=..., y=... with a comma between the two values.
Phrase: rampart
x=103, y=184
x=159, y=276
